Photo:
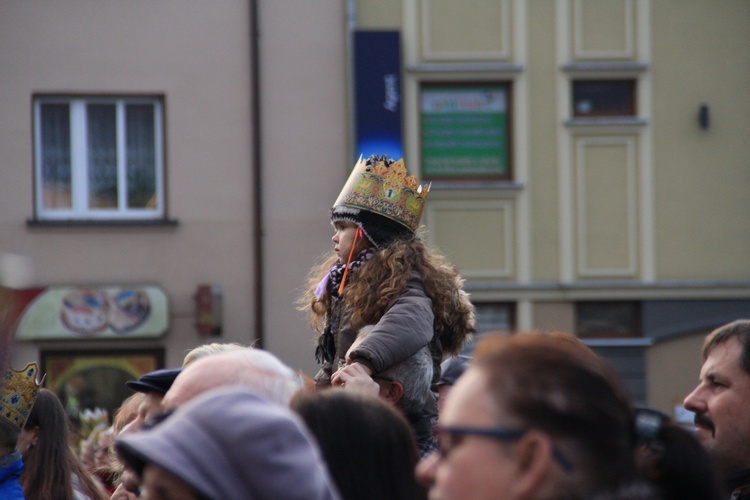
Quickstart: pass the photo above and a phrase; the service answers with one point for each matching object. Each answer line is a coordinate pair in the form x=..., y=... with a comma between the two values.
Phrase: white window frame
x=79, y=161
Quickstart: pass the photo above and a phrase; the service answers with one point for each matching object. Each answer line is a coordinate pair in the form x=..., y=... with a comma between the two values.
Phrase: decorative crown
x=383, y=187
x=18, y=393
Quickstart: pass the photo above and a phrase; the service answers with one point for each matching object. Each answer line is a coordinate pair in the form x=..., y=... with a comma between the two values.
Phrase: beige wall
x=197, y=54
x=701, y=176
x=379, y=14
x=646, y=202
x=133, y=47
x=554, y=316
x=622, y=211
x=689, y=200
x=303, y=91
x=543, y=142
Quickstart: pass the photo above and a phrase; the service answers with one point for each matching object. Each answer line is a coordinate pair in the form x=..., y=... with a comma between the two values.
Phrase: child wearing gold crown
x=382, y=274
x=18, y=392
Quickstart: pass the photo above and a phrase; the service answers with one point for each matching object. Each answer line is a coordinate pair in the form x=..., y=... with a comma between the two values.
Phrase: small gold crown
x=18, y=394
x=385, y=189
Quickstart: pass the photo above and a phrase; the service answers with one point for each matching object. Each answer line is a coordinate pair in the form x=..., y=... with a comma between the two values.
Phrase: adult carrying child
x=383, y=274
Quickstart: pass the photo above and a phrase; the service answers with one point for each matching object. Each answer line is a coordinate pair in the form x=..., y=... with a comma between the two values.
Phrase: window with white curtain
x=98, y=158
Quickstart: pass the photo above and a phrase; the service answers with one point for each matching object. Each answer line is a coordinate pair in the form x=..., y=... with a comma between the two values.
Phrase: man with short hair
x=405, y=385
x=721, y=403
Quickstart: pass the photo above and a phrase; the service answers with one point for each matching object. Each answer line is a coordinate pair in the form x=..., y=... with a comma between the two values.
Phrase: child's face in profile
x=343, y=238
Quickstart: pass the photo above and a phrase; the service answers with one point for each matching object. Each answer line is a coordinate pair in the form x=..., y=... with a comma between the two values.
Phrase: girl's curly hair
x=383, y=279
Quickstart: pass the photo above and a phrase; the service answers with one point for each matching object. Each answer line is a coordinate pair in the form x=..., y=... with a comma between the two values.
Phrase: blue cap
x=157, y=381
x=452, y=368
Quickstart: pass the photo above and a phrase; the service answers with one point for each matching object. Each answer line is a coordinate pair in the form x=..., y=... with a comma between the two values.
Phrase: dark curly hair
x=384, y=277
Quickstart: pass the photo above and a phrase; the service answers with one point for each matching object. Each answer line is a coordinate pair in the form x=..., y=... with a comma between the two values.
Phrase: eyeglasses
x=449, y=437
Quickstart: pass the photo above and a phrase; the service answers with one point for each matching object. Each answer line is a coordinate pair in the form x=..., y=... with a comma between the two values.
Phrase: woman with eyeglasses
x=541, y=416
x=536, y=415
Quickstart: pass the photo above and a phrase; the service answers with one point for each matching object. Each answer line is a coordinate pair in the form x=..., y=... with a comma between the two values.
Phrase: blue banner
x=377, y=94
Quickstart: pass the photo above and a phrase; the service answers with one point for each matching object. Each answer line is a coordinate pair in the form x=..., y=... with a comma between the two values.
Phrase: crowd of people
x=397, y=410
x=529, y=415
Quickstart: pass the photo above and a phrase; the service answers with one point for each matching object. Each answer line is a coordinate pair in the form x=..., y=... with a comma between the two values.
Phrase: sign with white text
x=464, y=131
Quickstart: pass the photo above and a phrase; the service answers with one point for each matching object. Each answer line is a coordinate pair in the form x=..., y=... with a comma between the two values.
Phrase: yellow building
x=588, y=158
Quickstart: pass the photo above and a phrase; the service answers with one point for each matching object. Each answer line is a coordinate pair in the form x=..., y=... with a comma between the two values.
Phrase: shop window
x=597, y=320
x=465, y=131
x=98, y=158
x=599, y=98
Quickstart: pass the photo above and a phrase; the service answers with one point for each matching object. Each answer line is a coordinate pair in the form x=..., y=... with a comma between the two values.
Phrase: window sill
x=621, y=342
x=605, y=68
x=606, y=121
x=500, y=68
x=474, y=184
x=102, y=223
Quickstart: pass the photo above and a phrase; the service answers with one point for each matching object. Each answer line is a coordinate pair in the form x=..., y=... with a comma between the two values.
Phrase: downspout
x=351, y=26
x=255, y=167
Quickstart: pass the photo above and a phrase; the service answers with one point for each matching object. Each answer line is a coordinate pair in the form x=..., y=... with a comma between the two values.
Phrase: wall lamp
x=704, y=118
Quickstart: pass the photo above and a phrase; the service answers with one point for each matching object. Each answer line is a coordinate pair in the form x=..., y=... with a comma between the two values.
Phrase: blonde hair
x=209, y=349
x=127, y=411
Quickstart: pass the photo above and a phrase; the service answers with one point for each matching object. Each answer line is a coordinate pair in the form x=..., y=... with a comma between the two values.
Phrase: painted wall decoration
x=60, y=312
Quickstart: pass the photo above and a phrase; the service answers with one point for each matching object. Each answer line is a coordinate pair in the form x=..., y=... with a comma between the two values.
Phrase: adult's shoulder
x=415, y=282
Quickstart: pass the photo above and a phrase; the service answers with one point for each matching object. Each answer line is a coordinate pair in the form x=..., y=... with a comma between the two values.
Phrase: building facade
x=588, y=161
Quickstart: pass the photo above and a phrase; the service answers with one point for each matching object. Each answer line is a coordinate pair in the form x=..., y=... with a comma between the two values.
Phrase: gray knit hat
x=231, y=443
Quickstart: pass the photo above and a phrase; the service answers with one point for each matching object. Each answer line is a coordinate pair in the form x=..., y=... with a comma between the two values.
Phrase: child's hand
x=355, y=376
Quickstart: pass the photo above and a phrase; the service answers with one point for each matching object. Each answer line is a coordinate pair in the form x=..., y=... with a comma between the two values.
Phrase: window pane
x=604, y=98
x=97, y=158
x=493, y=317
x=55, y=155
x=608, y=319
x=102, y=155
x=141, y=156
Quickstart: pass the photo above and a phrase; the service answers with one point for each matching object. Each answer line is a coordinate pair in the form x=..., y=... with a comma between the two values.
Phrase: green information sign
x=464, y=131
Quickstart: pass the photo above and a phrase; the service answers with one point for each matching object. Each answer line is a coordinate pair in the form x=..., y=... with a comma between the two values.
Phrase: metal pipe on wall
x=256, y=162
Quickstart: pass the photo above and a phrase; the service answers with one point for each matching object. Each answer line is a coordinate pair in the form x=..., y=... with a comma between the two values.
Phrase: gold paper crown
x=386, y=190
x=18, y=393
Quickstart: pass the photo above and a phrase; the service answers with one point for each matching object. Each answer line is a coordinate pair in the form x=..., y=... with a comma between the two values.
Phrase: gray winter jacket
x=406, y=327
